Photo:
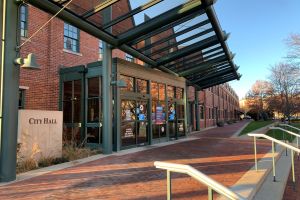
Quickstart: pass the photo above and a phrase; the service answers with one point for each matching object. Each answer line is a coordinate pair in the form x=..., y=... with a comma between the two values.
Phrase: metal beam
x=73, y=19
x=209, y=71
x=215, y=74
x=177, y=44
x=131, y=13
x=213, y=40
x=192, y=59
x=9, y=90
x=214, y=80
x=164, y=28
x=174, y=35
x=165, y=18
x=98, y=8
x=203, y=66
x=217, y=27
x=217, y=83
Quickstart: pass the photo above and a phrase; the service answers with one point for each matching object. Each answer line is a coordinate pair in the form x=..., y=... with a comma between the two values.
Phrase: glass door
x=180, y=119
x=94, y=112
x=72, y=111
x=142, y=122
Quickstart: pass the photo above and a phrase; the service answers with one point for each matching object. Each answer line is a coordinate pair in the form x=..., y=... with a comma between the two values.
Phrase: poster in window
x=172, y=112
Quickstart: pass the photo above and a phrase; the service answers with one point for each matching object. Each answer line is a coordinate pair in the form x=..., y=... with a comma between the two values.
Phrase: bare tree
x=256, y=97
x=285, y=78
x=293, y=43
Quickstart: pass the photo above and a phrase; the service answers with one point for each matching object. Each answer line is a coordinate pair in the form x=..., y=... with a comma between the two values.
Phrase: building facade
x=154, y=106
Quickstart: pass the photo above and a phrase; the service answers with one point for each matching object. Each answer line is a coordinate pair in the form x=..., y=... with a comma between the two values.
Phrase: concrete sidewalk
x=133, y=176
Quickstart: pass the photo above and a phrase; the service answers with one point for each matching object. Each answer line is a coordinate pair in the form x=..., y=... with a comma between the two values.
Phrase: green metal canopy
x=183, y=38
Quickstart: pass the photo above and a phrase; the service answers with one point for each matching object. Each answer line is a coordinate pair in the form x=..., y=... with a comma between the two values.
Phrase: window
x=142, y=86
x=21, y=99
x=23, y=20
x=129, y=57
x=71, y=38
x=201, y=112
x=100, y=50
x=179, y=93
x=171, y=92
x=129, y=82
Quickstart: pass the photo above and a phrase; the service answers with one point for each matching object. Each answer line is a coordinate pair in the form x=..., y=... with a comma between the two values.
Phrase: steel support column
x=9, y=91
x=197, y=114
x=107, y=90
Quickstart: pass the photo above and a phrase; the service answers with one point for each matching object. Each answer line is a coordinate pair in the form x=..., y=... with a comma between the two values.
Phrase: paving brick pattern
x=133, y=176
x=291, y=192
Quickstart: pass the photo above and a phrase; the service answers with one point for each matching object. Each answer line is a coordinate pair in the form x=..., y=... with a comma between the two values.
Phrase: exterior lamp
x=119, y=83
x=27, y=63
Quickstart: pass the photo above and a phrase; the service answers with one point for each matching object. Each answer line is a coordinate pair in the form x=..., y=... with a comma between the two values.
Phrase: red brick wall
x=48, y=46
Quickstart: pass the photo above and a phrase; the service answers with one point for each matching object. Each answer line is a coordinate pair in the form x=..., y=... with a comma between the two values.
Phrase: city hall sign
x=40, y=134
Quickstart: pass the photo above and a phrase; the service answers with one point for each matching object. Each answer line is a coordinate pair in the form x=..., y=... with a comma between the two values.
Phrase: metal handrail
x=292, y=148
x=199, y=176
x=298, y=129
x=289, y=132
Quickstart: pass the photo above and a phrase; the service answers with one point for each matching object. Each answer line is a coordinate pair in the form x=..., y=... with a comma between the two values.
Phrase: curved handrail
x=298, y=129
x=199, y=176
x=275, y=140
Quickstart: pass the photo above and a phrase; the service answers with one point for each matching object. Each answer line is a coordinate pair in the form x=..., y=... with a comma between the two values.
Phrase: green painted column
x=107, y=89
x=197, y=112
x=9, y=91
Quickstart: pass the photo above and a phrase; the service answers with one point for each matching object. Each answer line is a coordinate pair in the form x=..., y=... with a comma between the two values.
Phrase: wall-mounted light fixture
x=27, y=63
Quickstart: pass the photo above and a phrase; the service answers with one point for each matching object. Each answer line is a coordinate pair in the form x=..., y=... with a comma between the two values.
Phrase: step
x=251, y=182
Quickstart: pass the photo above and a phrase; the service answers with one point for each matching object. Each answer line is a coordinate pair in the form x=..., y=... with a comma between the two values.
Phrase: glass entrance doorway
x=81, y=103
x=134, y=122
x=72, y=111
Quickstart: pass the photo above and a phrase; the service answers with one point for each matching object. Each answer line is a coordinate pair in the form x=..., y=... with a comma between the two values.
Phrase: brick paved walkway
x=290, y=193
x=133, y=176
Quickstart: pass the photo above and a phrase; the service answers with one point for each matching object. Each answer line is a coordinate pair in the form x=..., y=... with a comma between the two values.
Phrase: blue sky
x=258, y=30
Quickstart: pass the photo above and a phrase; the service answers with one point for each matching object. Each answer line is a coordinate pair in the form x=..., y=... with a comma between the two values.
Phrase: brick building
x=60, y=45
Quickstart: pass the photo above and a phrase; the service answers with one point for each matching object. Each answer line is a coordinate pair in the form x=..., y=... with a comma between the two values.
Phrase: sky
x=258, y=32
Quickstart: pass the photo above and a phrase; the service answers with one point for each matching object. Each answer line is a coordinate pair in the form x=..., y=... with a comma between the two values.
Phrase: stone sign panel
x=40, y=134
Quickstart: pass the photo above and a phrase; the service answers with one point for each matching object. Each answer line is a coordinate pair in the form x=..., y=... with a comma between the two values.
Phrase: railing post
x=169, y=185
x=297, y=138
x=255, y=157
x=285, y=140
x=273, y=162
x=210, y=194
x=293, y=168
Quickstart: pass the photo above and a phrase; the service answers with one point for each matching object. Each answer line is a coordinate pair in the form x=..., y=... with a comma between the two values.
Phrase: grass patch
x=254, y=125
x=280, y=135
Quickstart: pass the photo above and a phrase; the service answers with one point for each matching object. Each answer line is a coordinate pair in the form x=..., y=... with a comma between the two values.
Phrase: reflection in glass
x=179, y=93
x=141, y=111
x=142, y=132
x=142, y=86
x=170, y=91
x=77, y=101
x=128, y=133
x=94, y=135
x=93, y=110
x=128, y=110
x=181, y=128
x=162, y=90
x=129, y=82
x=154, y=90
x=180, y=111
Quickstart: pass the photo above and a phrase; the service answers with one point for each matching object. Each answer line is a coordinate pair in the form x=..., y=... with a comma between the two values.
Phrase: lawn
x=280, y=135
x=254, y=125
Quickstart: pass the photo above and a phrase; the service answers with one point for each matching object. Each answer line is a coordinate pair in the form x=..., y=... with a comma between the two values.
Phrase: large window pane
x=93, y=87
x=180, y=111
x=142, y=132
x=171, y=91
x=128, y=110
x=93, y=110
x=129, y=82
x=128, y=133
x=77, y=101
x=179, y=93
x=142, y=86
x=141, y=110
x=162, y=91
x=94, y=135
x=154, y=90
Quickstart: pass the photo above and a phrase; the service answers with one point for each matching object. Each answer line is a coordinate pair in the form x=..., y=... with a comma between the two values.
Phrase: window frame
x=72, y=38
x=25, y=21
